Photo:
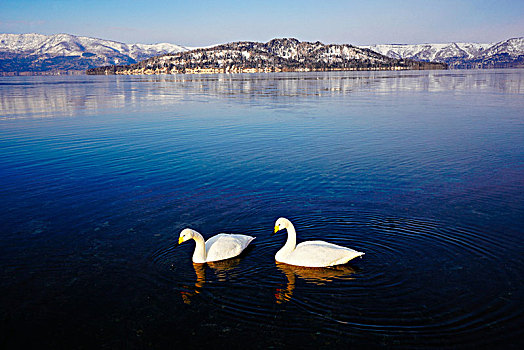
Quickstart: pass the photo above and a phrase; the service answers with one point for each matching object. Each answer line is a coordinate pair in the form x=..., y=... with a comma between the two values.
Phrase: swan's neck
x=199, y=256
x=290, y=243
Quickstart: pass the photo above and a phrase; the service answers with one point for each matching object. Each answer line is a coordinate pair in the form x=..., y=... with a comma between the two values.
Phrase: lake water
x=422, y=171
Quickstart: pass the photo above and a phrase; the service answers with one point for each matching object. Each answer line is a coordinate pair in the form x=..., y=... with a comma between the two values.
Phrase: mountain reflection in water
x=73, y=96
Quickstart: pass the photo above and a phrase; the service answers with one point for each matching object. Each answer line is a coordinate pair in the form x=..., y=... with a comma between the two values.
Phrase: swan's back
x=320, y=254
x=226, y=246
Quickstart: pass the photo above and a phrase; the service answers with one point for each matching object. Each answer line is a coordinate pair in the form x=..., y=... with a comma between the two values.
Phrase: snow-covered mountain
x=430, y=52
x=65, y=52
x=61, y=53
x=277, y=55
x=508, y=53
x=513, y=47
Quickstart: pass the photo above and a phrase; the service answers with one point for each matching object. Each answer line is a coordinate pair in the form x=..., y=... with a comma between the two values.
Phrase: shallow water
x=422, y=171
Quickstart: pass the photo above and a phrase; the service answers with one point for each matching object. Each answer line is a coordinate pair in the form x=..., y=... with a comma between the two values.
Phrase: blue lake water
x=422, y=171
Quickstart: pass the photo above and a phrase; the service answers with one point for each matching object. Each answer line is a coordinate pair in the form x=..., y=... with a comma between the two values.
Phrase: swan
x=220, y=247
x=310, y=253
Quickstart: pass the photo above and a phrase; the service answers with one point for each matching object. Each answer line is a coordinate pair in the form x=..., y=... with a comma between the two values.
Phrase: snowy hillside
x=63, y=52
x=430, y=52
x=459, y=55
x=512, y=47
x=277, y=55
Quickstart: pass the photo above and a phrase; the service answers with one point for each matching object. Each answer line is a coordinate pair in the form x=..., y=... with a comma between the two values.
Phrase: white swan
x=310, y=253
x=220, y=247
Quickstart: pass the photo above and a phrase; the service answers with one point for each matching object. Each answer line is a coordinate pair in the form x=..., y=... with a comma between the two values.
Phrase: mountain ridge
x=504, y=54
x=38, y=53
x=276, y=55
x=29, y=54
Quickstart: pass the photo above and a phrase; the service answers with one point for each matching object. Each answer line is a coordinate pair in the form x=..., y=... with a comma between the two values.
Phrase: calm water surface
x=423, y=171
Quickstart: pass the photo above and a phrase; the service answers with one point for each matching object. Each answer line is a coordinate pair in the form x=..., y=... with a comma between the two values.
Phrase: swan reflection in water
x=314, y=275
x=223, y=270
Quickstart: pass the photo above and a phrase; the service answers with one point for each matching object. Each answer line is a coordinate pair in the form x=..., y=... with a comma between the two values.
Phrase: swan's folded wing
x=226, y=246
x=321, y=254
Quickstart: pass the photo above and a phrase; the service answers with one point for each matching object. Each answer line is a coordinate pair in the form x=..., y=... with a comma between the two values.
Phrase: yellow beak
x=276, y=229
x=180, y=240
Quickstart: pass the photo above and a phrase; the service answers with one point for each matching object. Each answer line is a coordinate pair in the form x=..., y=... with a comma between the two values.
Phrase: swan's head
x=281, y=224
x=185, y=235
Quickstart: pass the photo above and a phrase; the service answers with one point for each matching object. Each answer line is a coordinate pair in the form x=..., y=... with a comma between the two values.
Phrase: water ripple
x=392, y=245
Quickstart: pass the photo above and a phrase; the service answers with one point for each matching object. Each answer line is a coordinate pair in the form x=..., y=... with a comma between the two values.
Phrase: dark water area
x=422, y=171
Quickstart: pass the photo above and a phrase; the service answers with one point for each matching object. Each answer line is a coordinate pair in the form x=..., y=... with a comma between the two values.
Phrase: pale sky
x=206, y=22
